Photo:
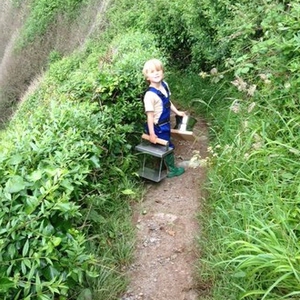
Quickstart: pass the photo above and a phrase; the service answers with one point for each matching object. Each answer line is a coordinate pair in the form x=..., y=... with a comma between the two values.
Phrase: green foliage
x=73, y=167
x=254, y=186
x=43, y=13
x=43, y=253
x=74, y=154
x=254, y=174
x=168, y=21
x=73, y=149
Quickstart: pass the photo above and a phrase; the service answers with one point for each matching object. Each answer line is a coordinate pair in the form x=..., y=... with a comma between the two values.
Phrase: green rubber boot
x=173, y=171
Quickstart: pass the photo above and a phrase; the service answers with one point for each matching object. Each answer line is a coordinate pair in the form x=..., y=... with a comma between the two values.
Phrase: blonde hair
x=151, y=65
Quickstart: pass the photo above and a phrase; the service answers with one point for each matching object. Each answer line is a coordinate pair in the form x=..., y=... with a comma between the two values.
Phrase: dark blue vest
x=163, y=127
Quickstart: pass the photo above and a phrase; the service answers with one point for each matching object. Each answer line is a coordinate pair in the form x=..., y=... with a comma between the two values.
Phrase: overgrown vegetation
x=43, y=13
x=67, y=165
x=73, y=168
x=34, y=34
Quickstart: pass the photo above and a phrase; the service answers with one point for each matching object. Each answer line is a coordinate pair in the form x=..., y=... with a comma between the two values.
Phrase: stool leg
x=144, y=162
x=160, y=168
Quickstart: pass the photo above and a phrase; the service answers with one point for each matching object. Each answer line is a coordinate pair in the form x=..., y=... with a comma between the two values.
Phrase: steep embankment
x=18, y=67
x=11, y=65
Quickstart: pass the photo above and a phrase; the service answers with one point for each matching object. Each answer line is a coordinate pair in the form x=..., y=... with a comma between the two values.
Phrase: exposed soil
x=167, y=229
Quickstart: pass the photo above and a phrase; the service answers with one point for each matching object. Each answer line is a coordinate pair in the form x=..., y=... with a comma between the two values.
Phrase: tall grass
x=253, y=232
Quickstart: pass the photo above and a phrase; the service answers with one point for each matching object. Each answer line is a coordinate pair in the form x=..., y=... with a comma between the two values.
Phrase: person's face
x=154, y=75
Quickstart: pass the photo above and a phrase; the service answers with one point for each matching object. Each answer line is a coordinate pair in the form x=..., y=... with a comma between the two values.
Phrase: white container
x=185, y=123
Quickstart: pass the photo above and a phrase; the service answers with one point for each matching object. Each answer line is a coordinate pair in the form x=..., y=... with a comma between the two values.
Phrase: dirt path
x=167, y=228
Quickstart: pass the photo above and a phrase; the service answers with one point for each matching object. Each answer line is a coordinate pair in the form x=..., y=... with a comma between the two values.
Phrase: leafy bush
x=46, y=173
x=43, y=252
x=67, y=166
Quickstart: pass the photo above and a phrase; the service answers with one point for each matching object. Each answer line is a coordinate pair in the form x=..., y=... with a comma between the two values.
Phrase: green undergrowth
x=249, y=242
x=251, y=238
x=68, y=176
x=68, y=167
x=43, y=13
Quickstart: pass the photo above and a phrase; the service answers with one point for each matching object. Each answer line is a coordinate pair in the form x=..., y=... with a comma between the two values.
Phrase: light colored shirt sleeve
x=153, y=103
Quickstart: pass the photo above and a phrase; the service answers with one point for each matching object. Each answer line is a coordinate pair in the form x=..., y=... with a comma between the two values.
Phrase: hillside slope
x=19, y=66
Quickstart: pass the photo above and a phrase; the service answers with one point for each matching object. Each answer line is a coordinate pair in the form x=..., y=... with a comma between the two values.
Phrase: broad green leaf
x=33, y=146
x=86, y=294
x=36, y=175
x=56, y=241
x=240, y=274
x=12, y=250
x=25, y=248
x=9, y=269
x=50, y=273
x=244, y=70
x=15, y=159
x=38, y=283
x=23, y=268
x=43, y=297
x=128, y=192
x=288, y=175
x=64, y=207
x=95, y=160
x=6, y=283
x=31, y=204
x=67, y=184
x=27, y=263
x=3, y=230
x=31, y=273
x=15, y=184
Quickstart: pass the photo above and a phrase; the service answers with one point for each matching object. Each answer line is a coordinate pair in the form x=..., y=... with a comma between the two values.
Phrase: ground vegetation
x=67, y=172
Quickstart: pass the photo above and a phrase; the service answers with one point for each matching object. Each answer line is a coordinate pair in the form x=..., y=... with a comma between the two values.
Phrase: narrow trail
x=167, y=229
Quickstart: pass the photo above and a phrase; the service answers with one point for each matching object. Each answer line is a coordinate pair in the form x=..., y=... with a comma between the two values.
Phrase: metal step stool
x=158, y=151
